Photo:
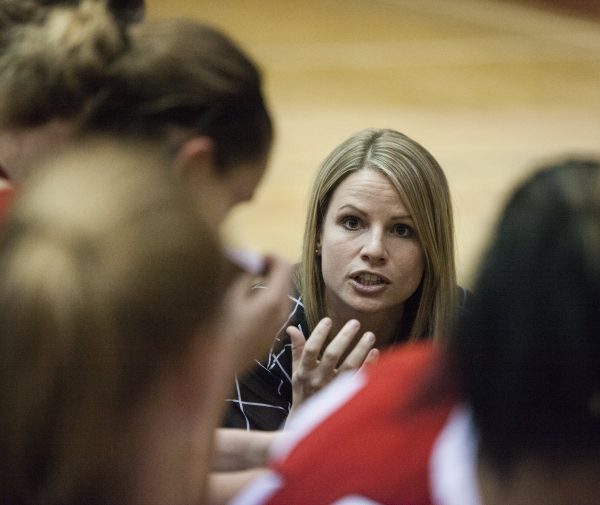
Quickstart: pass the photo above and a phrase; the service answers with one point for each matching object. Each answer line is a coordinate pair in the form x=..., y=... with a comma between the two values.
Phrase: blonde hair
x=54, y=58
x=107, y=273
x=423, y=187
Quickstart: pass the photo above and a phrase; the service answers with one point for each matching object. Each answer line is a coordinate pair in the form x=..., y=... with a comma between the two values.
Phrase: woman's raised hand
x=314, y=366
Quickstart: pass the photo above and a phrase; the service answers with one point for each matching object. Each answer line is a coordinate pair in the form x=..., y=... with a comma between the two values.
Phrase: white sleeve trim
x=259, y=490
x=315, y=410
x=453, y=463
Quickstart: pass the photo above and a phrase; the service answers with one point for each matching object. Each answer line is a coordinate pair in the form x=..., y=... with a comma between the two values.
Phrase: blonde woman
x=377, y=270
x=506, y=411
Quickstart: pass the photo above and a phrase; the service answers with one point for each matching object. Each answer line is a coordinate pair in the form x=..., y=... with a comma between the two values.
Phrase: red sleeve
x=6, y=196
x=377, y=445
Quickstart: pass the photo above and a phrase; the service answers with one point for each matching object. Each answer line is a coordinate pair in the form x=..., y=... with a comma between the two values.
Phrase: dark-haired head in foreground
x=529, y=351
x=185, y=86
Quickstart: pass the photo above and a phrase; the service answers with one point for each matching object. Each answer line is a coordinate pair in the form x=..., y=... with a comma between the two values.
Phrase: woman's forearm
x=237, y=449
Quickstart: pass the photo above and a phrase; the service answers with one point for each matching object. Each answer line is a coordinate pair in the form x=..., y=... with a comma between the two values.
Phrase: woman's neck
x=385, y=325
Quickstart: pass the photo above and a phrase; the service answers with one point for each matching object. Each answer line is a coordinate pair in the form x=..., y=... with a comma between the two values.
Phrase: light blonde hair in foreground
x=107, y=274
x=423, y=187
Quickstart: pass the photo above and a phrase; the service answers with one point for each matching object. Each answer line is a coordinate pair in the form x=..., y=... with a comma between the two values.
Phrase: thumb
x=370, y=359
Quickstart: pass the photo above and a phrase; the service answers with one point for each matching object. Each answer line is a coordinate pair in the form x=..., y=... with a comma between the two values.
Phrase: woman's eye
x=351, y=223
x=403, y=230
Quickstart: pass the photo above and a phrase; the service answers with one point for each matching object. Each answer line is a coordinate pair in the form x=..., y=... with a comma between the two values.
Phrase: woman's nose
x=374, y=250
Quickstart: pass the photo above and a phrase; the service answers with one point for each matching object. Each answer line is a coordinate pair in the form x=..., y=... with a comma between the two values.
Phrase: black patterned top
x=261, y=399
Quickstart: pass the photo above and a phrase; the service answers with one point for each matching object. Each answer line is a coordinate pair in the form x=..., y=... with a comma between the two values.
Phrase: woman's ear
x=195, y=164
x=196, y=153
x=318, y=243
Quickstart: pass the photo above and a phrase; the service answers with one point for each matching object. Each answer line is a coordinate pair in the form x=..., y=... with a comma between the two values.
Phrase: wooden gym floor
x=491, y=88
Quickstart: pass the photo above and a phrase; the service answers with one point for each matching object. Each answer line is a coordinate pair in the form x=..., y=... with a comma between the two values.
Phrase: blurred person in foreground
x=75, y=72
x=113, y=361
x=72, y=70
x=53, y=55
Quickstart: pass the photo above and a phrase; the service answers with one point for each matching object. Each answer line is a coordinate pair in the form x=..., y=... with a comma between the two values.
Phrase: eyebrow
x=349, y=206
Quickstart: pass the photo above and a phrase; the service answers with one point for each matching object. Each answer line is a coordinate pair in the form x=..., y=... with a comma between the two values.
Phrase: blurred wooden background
x=490, y=87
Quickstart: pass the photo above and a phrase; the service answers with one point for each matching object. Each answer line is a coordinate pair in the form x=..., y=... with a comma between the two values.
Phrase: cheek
x=419, y=261
x=335, y=256
x=245, y=188
x=336, y=248
x=411, y=263
x=243, y=183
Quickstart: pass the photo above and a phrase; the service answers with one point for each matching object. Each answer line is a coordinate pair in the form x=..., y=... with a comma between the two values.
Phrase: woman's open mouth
x=367, y=279
x=368, y=282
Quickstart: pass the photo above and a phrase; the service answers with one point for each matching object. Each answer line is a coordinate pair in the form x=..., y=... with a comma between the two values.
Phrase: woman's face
x=243, y=180
x=371, y=257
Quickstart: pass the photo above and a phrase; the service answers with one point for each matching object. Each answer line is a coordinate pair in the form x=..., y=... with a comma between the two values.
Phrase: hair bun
x=52, y=66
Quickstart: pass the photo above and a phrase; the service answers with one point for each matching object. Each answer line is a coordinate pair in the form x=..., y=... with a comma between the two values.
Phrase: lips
x=369, y=278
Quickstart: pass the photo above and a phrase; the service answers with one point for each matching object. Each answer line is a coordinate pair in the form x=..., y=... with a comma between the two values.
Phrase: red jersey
x=395, y=435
